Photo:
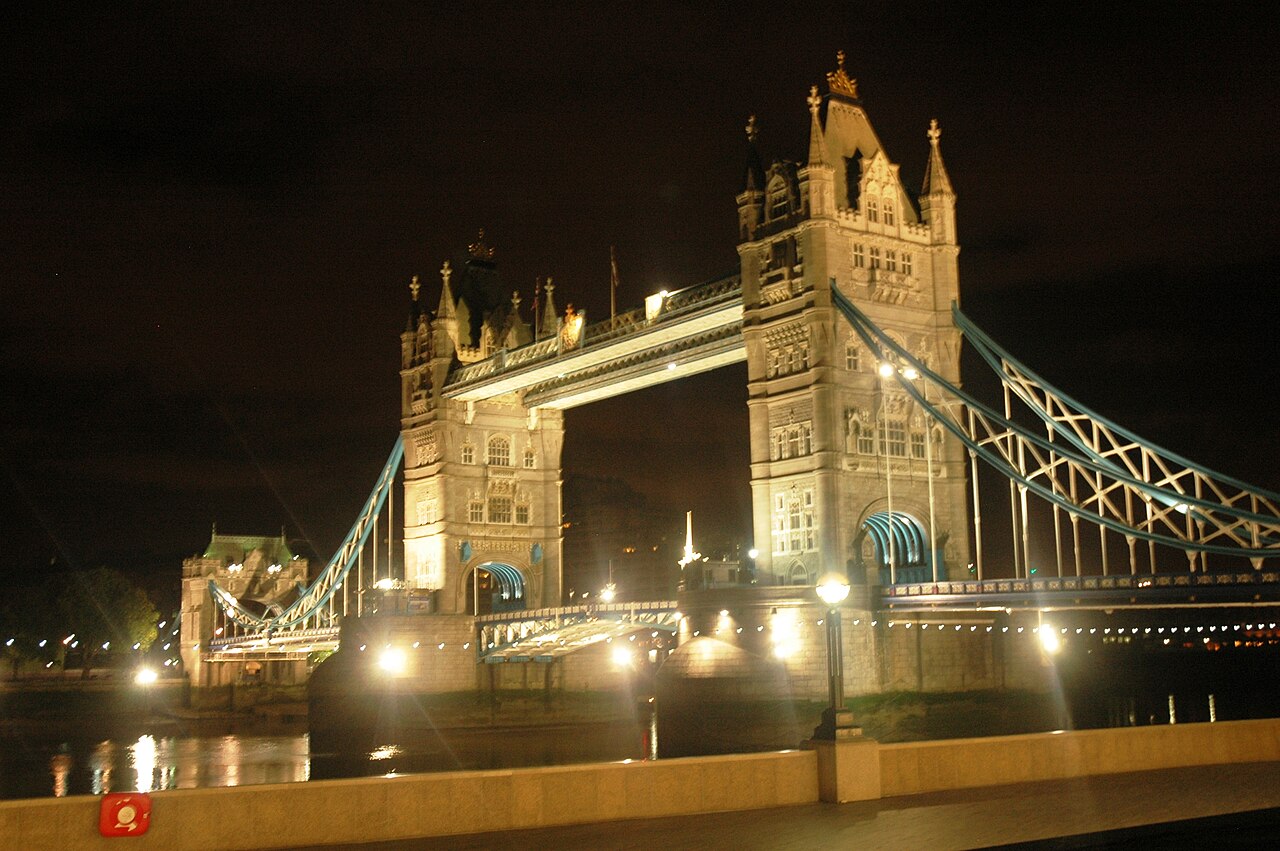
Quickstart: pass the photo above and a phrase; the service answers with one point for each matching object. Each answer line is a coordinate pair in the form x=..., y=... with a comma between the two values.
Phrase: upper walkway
x=674, y=335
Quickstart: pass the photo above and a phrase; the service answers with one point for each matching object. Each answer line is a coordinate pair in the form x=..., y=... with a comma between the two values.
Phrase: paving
x=1231, y=806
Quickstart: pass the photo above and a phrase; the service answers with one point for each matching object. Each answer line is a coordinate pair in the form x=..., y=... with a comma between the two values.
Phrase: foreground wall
x=378, y=809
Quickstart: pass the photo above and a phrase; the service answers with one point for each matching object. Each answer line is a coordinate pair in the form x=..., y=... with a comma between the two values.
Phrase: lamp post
x=837, y=722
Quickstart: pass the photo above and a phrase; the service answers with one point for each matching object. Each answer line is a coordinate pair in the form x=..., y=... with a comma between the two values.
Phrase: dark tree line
x=87, y=615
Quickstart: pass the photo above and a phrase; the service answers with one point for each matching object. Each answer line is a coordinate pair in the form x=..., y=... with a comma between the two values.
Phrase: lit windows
x=853, y=356
x=788, y=359
x=499, y=454
x=499, y=509
x=791, y=441
x=794, y=526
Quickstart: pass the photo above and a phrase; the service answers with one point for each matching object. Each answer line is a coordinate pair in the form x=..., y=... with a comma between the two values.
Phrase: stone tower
x=841, y=457
x=482, y=479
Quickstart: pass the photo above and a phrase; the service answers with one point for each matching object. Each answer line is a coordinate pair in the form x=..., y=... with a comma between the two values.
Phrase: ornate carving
x=839, y=82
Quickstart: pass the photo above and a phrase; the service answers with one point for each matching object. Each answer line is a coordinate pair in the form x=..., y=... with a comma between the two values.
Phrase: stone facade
x=830, y=437
x=482, y=478
x=254, y=569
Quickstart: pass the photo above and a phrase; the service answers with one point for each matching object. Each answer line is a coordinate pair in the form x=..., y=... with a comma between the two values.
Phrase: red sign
x=124, y=814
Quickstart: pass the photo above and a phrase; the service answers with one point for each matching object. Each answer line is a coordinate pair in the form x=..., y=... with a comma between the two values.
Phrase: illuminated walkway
x=974, y=818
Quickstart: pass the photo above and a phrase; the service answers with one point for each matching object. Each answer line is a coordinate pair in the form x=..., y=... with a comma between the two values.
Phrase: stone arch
x=503, y=587
x=798, y=573
x=901, y=534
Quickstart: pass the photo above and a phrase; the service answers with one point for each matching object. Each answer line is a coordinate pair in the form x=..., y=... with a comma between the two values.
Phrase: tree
x=105, y=611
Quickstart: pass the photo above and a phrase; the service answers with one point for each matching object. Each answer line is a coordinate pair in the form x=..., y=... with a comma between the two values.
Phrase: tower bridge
x=864, y=448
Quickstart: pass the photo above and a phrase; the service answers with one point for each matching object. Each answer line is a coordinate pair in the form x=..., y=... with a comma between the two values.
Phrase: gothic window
x=866, y=442
x=522, y=514
x=778, y=203
x=791, y=441
x=468, y=453
x=853, y=356
x=917, y=443
x=528, y=458
x=799, y=574
x=794, y=528
x=499, y=509
x=891, y=260
x=906, y=262
x=875, y=257
x=778, y=254
x=893, y=440
x=475, y=511
x=888, y=211
x=859, y=255
x=499, y=452
x=873, y=210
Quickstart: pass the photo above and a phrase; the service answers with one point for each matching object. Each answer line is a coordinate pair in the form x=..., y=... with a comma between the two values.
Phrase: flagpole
x=613, y=283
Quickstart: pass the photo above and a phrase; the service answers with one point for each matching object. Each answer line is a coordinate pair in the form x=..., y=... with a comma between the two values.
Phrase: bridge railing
x=1066, y=584
x=674, y=306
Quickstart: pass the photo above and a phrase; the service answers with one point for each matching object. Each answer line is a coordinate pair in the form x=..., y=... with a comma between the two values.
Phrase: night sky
x=211, y=214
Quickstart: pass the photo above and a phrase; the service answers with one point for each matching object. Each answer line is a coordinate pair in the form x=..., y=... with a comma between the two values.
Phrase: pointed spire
x=936, y=181
x=817, y=144
x=446, y=309
x=550, y=322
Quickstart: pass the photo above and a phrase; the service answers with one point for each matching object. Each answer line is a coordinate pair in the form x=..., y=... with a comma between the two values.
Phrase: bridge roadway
x=1217, y=805
x=543, y=635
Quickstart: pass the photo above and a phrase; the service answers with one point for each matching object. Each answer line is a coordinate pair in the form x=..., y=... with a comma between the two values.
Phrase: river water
x=92, y=758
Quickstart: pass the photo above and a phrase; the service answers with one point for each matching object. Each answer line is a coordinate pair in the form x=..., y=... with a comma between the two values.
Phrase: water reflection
x=149, y=763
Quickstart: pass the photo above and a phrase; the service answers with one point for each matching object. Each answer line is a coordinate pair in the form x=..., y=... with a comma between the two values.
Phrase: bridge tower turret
x=841, y=458
x=482, y=478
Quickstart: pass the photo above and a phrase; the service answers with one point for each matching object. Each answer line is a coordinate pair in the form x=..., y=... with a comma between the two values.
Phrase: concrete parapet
x=387, y=808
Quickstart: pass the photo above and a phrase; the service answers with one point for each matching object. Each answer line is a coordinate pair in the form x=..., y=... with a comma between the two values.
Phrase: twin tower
x=848, y=475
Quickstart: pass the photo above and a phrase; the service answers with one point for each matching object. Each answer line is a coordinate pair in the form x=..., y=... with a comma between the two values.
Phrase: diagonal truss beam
x=314, y=597
x=1082, y=463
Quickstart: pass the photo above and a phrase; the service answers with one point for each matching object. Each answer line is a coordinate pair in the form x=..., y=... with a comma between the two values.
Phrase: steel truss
x=313, y=608
x=1082, y=464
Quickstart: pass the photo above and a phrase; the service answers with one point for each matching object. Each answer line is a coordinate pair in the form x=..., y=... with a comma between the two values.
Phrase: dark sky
x=211, y=213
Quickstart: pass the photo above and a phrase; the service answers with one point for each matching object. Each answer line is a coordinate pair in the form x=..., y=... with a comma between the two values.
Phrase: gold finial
x=414, y=286
x=479, y=250
x=839, y=82
x=934, y=131
x=550, y=287
x=752, y=130
x=813, y=100
x=515, y=301
x=446, y=272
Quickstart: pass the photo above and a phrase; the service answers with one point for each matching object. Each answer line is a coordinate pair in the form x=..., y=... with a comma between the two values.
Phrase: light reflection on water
x=151, y=763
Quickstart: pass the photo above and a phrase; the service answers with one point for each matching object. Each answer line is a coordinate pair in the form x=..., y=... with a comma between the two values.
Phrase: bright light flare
x=393, y=661
x=622, y=657
x=145, y=676
x=1049, y=640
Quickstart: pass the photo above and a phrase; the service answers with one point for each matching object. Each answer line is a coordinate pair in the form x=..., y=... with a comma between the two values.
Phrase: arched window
x=528, y=458
x=888, y=211
x=468, y=453
x=499, y=452
x=799, y=574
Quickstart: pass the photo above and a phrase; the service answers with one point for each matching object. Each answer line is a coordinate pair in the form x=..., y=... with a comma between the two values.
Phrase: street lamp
x=837, y=722
x=146, y=678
